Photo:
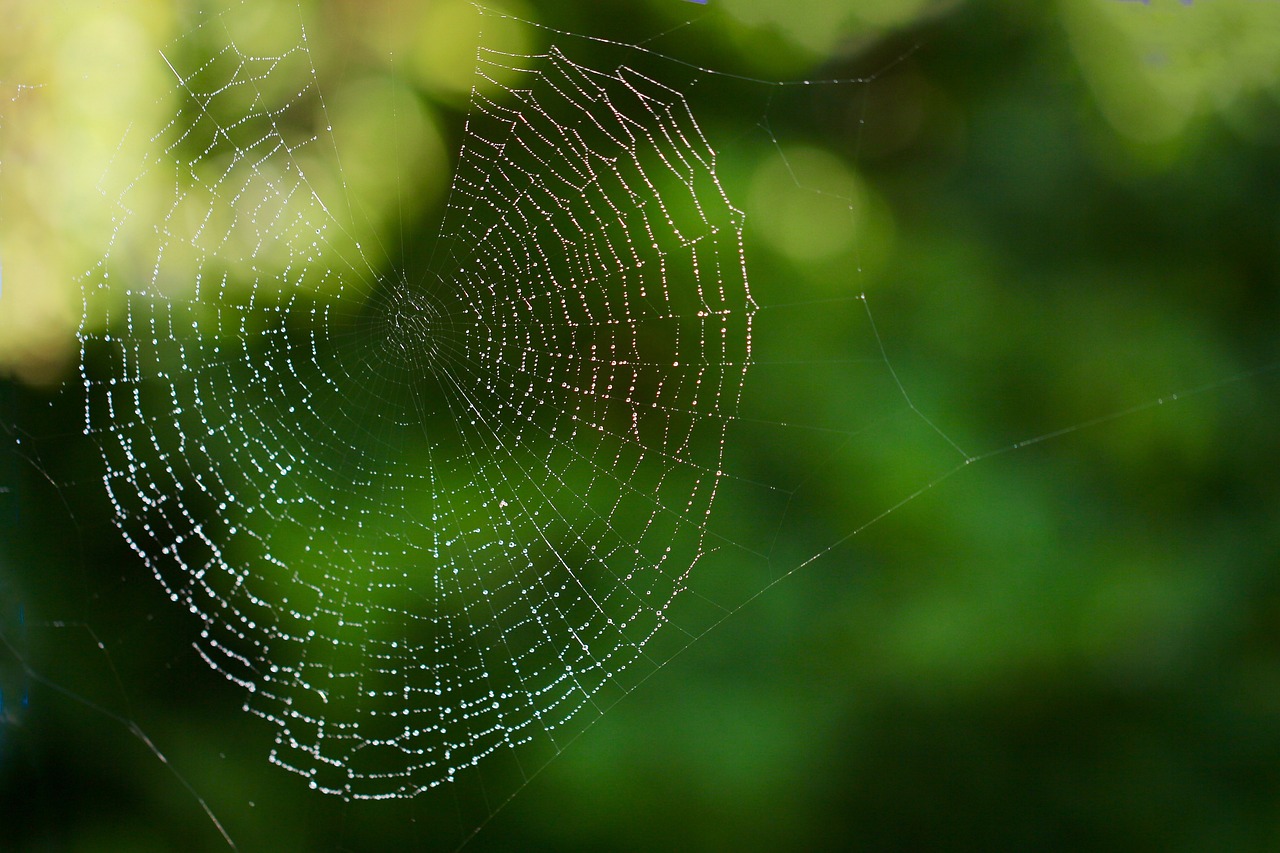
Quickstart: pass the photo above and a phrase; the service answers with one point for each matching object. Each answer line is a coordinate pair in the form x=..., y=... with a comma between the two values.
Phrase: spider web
x=426, y=510
x=437, y=488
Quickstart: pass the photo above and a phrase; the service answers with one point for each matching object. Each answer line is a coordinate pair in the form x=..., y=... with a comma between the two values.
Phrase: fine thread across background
x=437, y=509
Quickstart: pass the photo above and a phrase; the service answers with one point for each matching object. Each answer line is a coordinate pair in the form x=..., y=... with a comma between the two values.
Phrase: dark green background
x=1073, y=644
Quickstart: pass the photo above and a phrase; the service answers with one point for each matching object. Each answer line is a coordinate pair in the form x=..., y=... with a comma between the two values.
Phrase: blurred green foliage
x=1062, y=215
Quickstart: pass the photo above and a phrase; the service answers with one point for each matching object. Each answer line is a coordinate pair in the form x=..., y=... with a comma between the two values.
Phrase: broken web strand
x=124, y=719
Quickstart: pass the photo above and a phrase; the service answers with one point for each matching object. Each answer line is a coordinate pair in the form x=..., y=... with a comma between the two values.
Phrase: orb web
x=426, y=506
